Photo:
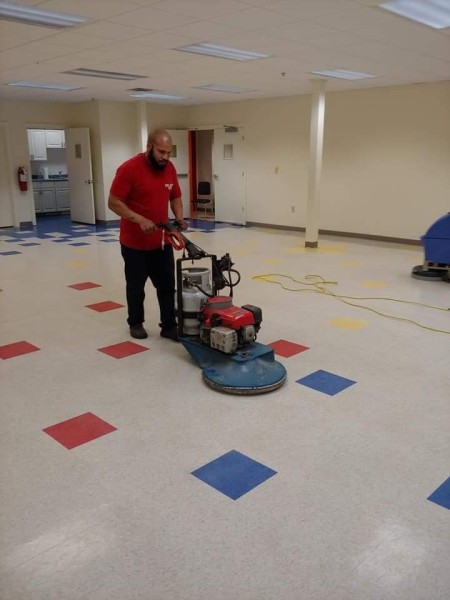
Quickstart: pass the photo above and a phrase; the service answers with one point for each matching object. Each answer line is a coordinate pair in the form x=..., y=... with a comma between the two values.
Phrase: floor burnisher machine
x=219, y=336
x=436, y=241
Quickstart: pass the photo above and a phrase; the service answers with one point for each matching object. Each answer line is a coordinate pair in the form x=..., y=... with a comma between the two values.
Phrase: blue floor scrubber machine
x=436, y=241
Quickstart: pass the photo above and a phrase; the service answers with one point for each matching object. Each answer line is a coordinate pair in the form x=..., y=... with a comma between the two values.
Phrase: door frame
x=11, y=179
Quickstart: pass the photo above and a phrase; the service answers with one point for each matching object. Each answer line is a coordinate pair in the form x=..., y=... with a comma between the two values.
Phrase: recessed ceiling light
x=104, y=74
x=157, y=96
x=62, y=87
x=435, y=13
x=216, y=87
x=222, y=52
x=343, y=74
x=38, y=16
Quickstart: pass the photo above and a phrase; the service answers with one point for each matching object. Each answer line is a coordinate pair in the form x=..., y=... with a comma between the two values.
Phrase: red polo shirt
x=147, y=192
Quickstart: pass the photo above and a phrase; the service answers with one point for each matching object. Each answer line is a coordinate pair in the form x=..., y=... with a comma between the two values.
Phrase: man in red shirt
x=140, y=194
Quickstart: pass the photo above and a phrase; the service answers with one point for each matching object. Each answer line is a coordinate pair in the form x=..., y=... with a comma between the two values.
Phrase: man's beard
x=159, y=166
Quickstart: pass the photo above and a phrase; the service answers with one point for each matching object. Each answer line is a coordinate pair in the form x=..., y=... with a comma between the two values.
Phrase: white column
x=315, y=162
x=142, y=124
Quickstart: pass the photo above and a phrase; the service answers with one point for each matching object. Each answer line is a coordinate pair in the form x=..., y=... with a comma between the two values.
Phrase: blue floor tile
x=234, y=474
x=112, y=240
x=441, y=496
x=79, y=244
x=326, y=382
x=10, y=253
x=28, y=244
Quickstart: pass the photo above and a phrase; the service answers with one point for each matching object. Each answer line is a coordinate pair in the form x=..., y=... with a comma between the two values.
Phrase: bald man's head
x=159, y=147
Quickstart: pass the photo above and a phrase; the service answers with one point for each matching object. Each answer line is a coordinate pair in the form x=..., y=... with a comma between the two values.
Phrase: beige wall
x=386, y=168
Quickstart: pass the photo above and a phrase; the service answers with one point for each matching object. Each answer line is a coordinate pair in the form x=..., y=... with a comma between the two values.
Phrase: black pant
x=158, y=265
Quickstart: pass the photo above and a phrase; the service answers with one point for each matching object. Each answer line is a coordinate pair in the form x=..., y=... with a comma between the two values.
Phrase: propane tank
x=193, y=297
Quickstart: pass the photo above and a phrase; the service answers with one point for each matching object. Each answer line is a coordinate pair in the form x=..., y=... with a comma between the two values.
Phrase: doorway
x=49, y=179
x=218, y=174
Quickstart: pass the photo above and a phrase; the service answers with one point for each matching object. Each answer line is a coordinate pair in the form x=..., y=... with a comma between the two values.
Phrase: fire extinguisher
x=22, y=177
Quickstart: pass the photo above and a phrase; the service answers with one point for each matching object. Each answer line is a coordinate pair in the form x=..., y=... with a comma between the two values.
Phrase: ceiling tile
x=163, y=41
x=203, y=31
x=98, y=9
x=32, y=53
x=201, y=9
x=307, y=9
x=410, y=36
x=339, y=39
x=403, y=58
x=16, y=34
x=75, y=40
x=154, y=20
x=355, y=19
x=253, y=19
x=110, y=31
x=298, y=31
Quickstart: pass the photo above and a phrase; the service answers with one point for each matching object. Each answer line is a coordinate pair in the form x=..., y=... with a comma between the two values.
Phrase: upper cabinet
x=41, y=139
x=37, y=144
x=55, y=138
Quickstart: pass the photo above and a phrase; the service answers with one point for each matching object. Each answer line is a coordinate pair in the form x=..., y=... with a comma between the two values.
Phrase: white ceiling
x=139, y=37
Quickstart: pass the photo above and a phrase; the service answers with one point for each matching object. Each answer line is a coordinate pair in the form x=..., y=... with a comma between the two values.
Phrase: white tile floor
x=346, y=517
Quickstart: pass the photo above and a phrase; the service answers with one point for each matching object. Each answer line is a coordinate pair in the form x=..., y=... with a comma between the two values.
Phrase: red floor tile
x=79, y=430
x=104, y=306
x=87, y=285
x=16, y=349
x=287, y=349
x=123, y=349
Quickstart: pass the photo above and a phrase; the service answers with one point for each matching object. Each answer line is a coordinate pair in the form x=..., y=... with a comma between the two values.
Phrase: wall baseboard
x=363, y=236
x=26, y=225
x=112, y=223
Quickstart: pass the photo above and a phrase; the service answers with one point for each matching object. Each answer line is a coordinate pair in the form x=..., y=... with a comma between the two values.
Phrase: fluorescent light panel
x=37, y=16
x=157, y=96
x=216, y=87
x=104, y=74
x=222, y=52
x=343, y=74
x=62, y=87
x=434, y=13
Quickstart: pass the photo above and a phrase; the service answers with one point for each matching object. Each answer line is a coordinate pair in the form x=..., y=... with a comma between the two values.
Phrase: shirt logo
x=169, y=186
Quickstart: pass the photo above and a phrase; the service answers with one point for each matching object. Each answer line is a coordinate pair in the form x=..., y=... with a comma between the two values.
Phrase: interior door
x=79, y=171
x=180, y=159
x=229, y=169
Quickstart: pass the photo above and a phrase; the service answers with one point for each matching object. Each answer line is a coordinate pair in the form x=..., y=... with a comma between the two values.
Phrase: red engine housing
x=219, y=310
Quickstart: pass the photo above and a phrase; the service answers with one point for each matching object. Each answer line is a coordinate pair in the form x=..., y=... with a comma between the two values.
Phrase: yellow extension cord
x=318, y=284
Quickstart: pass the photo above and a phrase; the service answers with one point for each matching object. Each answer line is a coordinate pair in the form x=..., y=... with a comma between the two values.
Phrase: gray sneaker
x=138, y=332
x=170, y=334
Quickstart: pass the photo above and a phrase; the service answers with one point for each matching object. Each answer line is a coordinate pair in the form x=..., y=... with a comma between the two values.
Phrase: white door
x=79, y=171
x=180, y=159
x=6, y=203
x=229, y=169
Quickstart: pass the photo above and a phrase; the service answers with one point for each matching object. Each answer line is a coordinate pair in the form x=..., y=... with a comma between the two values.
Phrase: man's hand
x=182, y=224
x=146, y=225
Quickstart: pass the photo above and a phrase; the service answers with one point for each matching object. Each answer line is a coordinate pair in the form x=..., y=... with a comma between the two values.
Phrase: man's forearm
x=119, y=207
x=177, y=208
